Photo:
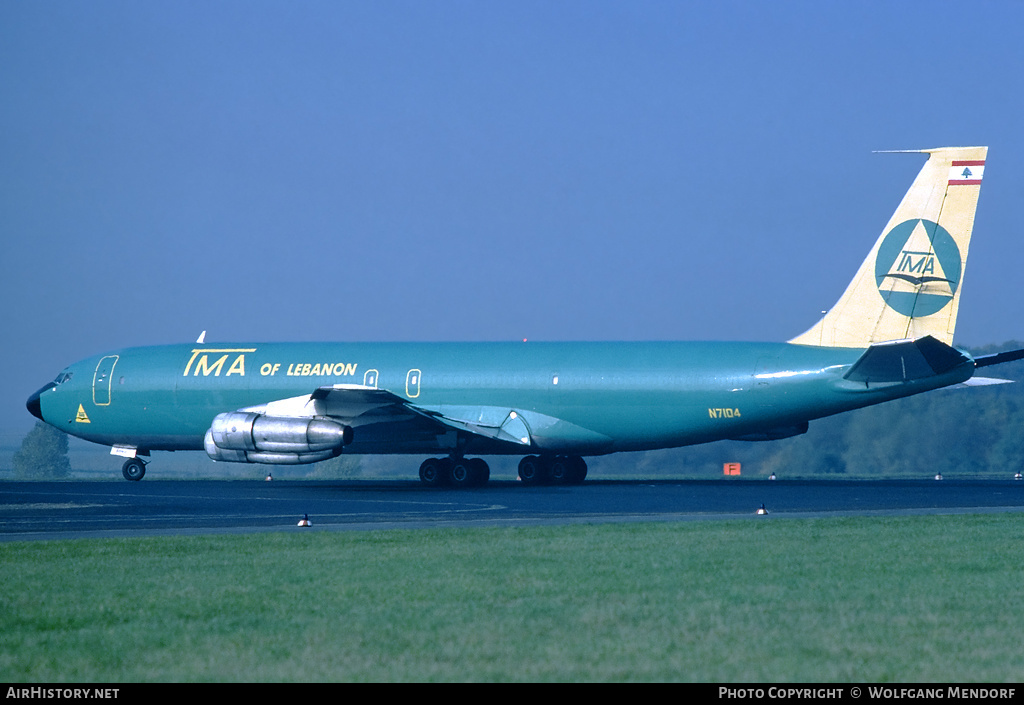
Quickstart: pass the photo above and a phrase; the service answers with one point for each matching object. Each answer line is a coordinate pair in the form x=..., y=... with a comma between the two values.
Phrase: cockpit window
x=63, y=377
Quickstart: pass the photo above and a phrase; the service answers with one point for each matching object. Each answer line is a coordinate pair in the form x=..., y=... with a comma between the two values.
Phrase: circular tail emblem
x=918, y=268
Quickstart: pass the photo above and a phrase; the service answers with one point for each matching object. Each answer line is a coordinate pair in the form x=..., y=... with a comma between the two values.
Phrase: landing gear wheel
x=133, y=469
x=435, y=472
x=462, y=473
x=561, y=470
x=579, y=470
x=469, y=473
x=459, y=472
x=483, y=470
x=533, y=470
x=568, y=470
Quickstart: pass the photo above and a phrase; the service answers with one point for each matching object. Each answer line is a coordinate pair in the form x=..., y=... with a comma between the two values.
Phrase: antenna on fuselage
x=202, y=337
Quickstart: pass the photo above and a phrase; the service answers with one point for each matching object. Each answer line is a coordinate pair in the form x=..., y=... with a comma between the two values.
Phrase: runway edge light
x=304, y=521
x=761, y=509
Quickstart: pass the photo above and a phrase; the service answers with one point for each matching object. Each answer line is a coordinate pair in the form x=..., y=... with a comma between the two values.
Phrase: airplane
x=890, y=335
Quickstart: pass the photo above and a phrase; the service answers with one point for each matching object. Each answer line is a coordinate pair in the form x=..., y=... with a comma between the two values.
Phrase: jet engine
x=247, y=437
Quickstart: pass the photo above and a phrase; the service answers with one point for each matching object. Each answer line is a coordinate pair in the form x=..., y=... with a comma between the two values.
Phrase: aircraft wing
x=357, y=405
x=362, y=406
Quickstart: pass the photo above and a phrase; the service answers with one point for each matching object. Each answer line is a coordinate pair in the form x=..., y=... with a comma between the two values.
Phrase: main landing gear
x=133, y=469
x=533, y=470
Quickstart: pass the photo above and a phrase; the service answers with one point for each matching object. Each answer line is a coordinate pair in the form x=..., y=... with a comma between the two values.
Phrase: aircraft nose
x=33, y=404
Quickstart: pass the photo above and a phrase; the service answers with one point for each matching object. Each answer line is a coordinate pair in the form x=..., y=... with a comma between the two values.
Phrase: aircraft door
x=101, y=380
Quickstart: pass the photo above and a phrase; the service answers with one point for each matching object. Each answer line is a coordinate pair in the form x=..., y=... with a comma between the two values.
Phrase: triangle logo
x=918, y=268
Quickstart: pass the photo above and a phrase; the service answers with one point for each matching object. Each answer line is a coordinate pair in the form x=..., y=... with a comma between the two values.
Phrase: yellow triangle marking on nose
x=81, y=417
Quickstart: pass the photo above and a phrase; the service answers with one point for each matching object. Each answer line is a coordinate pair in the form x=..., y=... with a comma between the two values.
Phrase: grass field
x=920, y=599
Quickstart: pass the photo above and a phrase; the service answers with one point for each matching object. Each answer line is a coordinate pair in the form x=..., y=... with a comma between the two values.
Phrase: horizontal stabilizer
x=905, y=360
x=998, y=358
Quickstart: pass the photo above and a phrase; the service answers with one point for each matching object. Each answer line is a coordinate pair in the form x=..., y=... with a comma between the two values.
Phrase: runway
x=65, y=510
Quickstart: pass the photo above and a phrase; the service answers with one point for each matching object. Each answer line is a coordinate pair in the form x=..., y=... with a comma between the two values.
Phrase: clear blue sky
x=479, y=170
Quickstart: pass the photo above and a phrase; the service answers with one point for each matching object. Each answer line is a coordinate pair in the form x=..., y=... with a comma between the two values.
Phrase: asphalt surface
x=63, y=510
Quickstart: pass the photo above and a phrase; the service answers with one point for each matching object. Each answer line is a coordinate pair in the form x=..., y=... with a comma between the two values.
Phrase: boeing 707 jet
x=889, y=336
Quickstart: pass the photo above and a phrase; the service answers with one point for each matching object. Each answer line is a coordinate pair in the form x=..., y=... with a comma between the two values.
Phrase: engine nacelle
x=247, y=437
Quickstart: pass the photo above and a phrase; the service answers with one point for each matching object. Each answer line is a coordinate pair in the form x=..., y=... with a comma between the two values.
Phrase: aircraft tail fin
x=909, y=285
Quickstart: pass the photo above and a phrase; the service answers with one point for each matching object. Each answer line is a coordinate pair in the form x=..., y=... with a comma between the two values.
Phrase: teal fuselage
x=580, y=398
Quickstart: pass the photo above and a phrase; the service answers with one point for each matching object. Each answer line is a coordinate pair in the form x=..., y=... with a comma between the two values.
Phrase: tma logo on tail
x=918, y=268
